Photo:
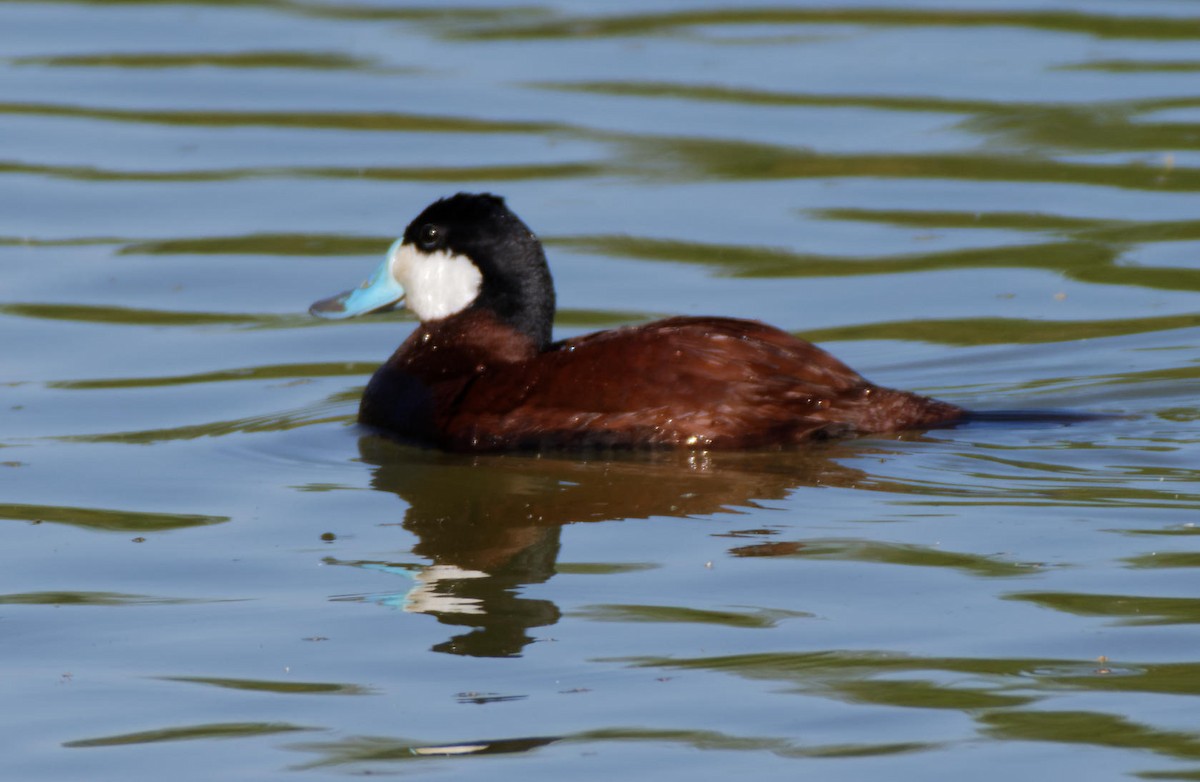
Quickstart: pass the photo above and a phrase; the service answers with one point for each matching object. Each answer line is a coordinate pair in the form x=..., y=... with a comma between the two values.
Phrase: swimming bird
x=482, y=372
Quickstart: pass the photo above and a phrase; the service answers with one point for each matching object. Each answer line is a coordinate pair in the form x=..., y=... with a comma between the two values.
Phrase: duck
x=483, y=373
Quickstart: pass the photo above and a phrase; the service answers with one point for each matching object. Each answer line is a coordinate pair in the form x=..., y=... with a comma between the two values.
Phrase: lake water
x=208, y=571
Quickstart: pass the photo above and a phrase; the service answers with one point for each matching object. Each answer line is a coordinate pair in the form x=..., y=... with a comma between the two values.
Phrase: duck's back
x=681, y=382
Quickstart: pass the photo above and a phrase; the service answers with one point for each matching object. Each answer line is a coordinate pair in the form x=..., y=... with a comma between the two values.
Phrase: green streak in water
x=1086, y=261
x=206, y=731
x=338, y=408
x=692, y=159
x=106, y=519
x=277, y=687
x=473, y=174
x=596, y=319
x=1091, y=728
x=927, y=695
x=758, y=618
x=69, y=598
x=603, y=568
x=679, y=22
x=1006, y=331
x=356, y=750
x=273, y=372
x=242, y=59
x=746, y=96
x=911, y=555
x=1186, y=530
x=289, y=244
x=1108, y=125
x=349, y=10
x=128, y=316
x=991, y=690
x=1124, y=609
x=333, y=120
x=1136, y=66
x=353, y=750
x=1109, y=231
x=1166, y=559
x=413, y=174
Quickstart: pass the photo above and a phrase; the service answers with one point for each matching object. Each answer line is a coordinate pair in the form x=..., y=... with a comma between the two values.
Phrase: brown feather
x=471, y=382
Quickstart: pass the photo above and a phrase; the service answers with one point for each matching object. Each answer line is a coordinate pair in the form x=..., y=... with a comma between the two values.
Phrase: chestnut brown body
x=481, y=372
x=473, y=382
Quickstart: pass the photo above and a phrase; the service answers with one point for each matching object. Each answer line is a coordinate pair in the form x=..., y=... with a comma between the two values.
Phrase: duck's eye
x=429, y=237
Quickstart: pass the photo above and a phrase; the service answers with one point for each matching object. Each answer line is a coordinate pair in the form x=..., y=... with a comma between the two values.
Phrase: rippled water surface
x=209, y=572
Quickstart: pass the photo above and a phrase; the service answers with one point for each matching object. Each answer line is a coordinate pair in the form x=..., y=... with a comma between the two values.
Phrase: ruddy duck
x=482, y=373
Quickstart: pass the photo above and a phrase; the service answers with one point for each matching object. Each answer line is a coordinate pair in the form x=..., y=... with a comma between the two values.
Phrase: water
x=210, y=571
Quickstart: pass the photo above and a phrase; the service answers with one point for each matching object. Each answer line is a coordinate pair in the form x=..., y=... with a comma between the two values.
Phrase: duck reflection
x=490, y=525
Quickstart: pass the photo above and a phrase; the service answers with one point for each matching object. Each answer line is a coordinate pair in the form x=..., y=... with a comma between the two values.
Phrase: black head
x=516, y=281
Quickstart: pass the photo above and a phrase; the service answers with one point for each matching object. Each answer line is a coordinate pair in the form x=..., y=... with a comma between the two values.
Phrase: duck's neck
x=524, y=301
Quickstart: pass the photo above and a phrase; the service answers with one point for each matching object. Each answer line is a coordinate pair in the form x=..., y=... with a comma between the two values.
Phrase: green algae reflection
x=278, y=687
x=107, y=520
x=205, y=731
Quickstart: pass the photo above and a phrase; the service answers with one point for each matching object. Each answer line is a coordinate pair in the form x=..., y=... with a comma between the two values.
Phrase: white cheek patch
x=437, y=285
